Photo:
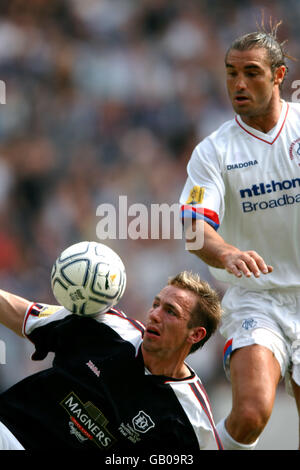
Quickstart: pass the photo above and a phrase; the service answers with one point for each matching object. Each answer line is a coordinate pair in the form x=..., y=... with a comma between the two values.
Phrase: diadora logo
x=263, y=188
x=236, y=166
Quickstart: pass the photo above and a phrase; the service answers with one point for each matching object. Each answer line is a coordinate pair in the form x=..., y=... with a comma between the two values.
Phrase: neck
x=266, y=121
x=157, y=365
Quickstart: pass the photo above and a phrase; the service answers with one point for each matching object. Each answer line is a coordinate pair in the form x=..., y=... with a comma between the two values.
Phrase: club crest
x=142, y=422
x=294, y=151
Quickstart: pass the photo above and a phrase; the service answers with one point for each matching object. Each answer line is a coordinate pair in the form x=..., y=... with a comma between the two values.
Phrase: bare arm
x=219, y=254
x=12, y=311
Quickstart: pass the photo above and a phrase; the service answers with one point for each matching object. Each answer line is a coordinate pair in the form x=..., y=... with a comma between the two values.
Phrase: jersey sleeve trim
x=29, y=312
x=227, y=350
x=129, y=329
x=136, y=323
x=41, y=314
x=193, y=399
x=191, y=212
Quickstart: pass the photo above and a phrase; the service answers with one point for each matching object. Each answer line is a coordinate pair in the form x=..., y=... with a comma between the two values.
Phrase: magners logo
x=87, y=422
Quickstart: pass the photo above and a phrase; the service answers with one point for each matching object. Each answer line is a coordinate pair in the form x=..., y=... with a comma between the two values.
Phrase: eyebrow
x=247, y=67
x=167, y=304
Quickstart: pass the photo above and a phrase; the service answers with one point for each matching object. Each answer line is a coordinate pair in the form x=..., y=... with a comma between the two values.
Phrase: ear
x=279, y=75
x=197, y=334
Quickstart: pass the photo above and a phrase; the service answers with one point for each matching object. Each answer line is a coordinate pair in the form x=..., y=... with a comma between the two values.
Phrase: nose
x=240, y=83
x=155, y=314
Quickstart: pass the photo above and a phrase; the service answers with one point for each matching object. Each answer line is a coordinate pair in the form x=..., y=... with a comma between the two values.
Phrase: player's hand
x=246, y=263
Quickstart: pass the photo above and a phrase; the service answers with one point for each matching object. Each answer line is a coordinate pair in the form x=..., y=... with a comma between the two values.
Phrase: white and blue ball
x=88, y=278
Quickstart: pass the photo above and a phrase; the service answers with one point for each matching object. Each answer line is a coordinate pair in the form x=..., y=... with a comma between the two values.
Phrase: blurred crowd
x=106, y=98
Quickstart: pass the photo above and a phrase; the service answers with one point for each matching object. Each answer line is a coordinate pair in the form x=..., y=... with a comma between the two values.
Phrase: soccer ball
x=88, y=278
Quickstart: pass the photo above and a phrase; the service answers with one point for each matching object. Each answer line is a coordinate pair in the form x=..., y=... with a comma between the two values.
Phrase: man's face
x=167, y=329
x=250, y=81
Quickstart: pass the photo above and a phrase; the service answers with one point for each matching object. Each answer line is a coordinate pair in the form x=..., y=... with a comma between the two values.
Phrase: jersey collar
x=274, y=133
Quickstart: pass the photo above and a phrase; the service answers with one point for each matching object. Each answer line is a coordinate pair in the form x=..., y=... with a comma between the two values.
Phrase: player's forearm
x=214, y=250
x=12, y=311
x=219, y=254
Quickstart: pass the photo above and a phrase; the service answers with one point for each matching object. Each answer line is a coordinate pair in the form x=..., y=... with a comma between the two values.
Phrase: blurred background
x=107, y=98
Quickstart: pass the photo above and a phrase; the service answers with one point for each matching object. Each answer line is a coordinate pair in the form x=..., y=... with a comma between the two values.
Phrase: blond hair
x=207, y=312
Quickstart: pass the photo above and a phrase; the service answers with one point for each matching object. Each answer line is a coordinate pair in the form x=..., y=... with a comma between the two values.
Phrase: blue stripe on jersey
x=227, y=350
x=193, y=213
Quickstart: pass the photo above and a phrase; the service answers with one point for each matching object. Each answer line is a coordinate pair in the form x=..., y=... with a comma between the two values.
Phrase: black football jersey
x=98, y=394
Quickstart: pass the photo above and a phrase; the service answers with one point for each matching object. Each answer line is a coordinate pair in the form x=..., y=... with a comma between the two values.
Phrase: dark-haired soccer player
x=244, y=179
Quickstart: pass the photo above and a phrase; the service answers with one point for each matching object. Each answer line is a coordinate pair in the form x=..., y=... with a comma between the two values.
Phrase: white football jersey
x=246, y=184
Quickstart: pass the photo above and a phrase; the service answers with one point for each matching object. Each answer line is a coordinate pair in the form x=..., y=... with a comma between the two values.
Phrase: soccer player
x=115, y=384
x=243, y=191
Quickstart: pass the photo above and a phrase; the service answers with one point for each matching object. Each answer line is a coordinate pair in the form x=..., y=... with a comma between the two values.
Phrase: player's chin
x=150, y=346
x=242, y=107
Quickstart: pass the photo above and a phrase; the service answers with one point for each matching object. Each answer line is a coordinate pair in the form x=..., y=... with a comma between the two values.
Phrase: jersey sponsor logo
x=294, y=151
x=196, y=195
x=273, y=186
x=285, y=200
x=87, y=422
x=236, y=166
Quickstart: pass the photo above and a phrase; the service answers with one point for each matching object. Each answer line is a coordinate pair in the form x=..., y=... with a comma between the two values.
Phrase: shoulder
x=129, y=329
x=40, y=315
x=217, y=140
x=48, y=327
x=294, y=108
x=121, y=323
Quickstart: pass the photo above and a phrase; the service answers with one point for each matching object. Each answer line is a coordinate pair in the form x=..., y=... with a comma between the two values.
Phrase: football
x=88, y=278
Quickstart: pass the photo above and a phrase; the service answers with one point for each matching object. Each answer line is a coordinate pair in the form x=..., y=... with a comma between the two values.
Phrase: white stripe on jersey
x=130, y=330
x=194, y=401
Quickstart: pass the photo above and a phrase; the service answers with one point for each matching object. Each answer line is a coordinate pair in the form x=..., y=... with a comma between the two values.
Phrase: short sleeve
x=40, y=327
x=204, y=190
